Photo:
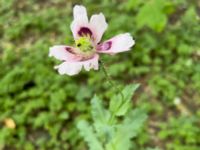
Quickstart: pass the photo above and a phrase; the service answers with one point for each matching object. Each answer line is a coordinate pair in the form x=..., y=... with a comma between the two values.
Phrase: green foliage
x=112, y=133
x=120, y=103
x=183, y=129
x=127, y=130
x=87, y=132
x=100, y=116
x=152, y=15
x=46, y=106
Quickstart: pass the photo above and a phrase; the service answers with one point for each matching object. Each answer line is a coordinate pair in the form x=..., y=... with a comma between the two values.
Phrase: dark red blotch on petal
x=70, y=50
x=85, y=31
x=104, y=46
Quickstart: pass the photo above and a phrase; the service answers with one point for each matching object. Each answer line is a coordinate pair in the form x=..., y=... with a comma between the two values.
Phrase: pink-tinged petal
x=92, y=63
x=99, y=26
x=63, y=52
x=117, y=44
x=73, y=68
x=80, y=19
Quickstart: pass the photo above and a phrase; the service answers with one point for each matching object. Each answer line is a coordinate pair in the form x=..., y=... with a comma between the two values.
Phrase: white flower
x=87, y=35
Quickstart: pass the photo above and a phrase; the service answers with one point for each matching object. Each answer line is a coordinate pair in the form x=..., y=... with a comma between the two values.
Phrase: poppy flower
x=87, y=35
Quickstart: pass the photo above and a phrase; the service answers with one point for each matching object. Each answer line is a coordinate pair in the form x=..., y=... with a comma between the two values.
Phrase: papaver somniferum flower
x=87, y=35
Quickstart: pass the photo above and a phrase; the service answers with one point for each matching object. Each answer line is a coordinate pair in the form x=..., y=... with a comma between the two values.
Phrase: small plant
x=114, y=127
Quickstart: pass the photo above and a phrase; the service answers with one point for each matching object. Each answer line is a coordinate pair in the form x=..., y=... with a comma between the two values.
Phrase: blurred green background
x=39, y=108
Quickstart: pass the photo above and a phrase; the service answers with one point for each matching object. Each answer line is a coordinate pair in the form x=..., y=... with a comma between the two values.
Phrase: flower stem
x=108, y=77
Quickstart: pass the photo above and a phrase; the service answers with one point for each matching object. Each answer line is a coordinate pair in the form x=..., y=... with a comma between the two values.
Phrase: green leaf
x=119, y=105
x=99, y=114
x=152, y=15
x=101, y=119
x=190, y=15
x=134, y=121
x=127, y=130
x=89, y=136
x=132, y=4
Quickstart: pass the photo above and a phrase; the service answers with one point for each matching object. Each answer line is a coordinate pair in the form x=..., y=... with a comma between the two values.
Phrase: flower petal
x=73, y=68
x=80, y=13
x=63, y=52
x=99, y=25
x=80, y=19
x=117, y=44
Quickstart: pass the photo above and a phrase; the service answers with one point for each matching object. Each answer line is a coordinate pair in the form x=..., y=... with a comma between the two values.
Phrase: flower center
x=84, y=44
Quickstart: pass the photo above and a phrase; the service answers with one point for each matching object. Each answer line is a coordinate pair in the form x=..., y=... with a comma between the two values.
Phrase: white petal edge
x=73, y=68
x=80, y=13
x=120, y=43
x=98, y=25
x=80, y=19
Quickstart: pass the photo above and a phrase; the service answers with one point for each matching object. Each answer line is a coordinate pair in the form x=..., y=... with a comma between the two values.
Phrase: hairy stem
x=112, y=118
x=108, y=77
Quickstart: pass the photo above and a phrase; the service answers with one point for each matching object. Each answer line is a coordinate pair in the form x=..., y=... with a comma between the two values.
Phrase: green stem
x=117, y=89
x=108, y=77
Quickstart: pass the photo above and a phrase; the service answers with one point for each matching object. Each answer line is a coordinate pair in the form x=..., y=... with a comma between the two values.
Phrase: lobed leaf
x=120, y=105
x=89, y=136
x=127, y=130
